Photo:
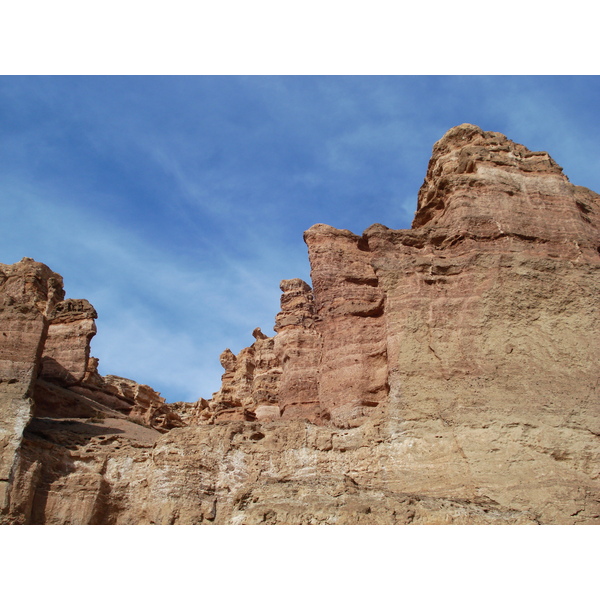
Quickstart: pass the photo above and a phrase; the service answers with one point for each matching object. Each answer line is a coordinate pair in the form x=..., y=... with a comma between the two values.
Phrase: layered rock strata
x=298, y=346
x=27, y=291
x=328, y=361
x=249, y=385
x=442, y=374
x=46, y=370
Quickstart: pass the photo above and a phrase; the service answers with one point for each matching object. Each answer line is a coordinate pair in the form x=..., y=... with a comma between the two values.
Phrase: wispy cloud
x=158, y=314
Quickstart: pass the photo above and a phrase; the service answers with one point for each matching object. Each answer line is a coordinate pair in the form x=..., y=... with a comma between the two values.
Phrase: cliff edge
x=444, y=374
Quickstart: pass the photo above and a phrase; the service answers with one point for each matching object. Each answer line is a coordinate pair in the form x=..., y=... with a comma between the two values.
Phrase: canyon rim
x=444, y=374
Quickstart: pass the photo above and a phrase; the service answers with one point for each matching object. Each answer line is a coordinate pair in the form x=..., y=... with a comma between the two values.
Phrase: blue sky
x=177, y=204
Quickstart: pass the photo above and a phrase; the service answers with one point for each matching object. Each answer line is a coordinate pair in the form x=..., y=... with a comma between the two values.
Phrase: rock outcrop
x=298, y=350
x=27, y=291
x=444, y=374
x=46, y=370
x=249, y=384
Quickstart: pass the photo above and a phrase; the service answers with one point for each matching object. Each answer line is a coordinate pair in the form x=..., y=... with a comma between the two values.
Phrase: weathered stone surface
x=45, y=370
x=31, y=282
x=443, y=374
x=350, y=307
x=27, y=289
x=22, y=331
x=298, y=350
x=481, y=184
x=249, y=384
x=299, y=473
x=67, y=348
x=250, y=473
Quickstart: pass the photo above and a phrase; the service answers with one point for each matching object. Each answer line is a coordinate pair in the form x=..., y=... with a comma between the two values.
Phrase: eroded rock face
x=442, y=374
x=249, y=385
x=67, y=349
x=27, y=290
x=46, y=372
x=481, y=184
x=350, y=308
x=298, y=347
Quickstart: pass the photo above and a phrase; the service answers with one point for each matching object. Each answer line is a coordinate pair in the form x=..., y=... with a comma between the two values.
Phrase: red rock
x=27, y=288
x=250, y=383
x=298, y=350
x=67, y=348
x=350, y=307
x=443, y=374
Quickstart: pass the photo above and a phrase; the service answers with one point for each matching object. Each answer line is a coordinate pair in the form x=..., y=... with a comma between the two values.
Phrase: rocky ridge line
x=442, y=374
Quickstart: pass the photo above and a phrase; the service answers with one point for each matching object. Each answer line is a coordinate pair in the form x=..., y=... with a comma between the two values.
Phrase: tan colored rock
x=22, y=330
x=298, y=350
x=250, y=383
x=113, y=396
x=186, y=411
x=26, y=290
x=45, y=372
x=44, y=357
x=268, y=473
x=31, y=282
x=481, y=184
x=443, y=374
x=67, y=348
x=350, y=307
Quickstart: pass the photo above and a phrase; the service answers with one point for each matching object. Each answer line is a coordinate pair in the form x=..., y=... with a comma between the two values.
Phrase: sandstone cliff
x=442, y=374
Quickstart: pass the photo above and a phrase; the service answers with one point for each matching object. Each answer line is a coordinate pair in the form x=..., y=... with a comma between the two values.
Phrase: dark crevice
x=370, y=281
x=584, y=208
x=363, y=243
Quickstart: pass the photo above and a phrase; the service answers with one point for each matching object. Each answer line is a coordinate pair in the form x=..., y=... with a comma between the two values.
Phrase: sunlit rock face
x=47, y=375
x=27, y=290
x=442, y=374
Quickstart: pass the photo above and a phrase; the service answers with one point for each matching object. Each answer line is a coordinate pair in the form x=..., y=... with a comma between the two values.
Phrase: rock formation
x=45, y=367
x=444, y=374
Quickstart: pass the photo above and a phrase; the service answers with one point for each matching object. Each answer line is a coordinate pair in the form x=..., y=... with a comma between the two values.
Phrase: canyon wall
x=444, y=374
